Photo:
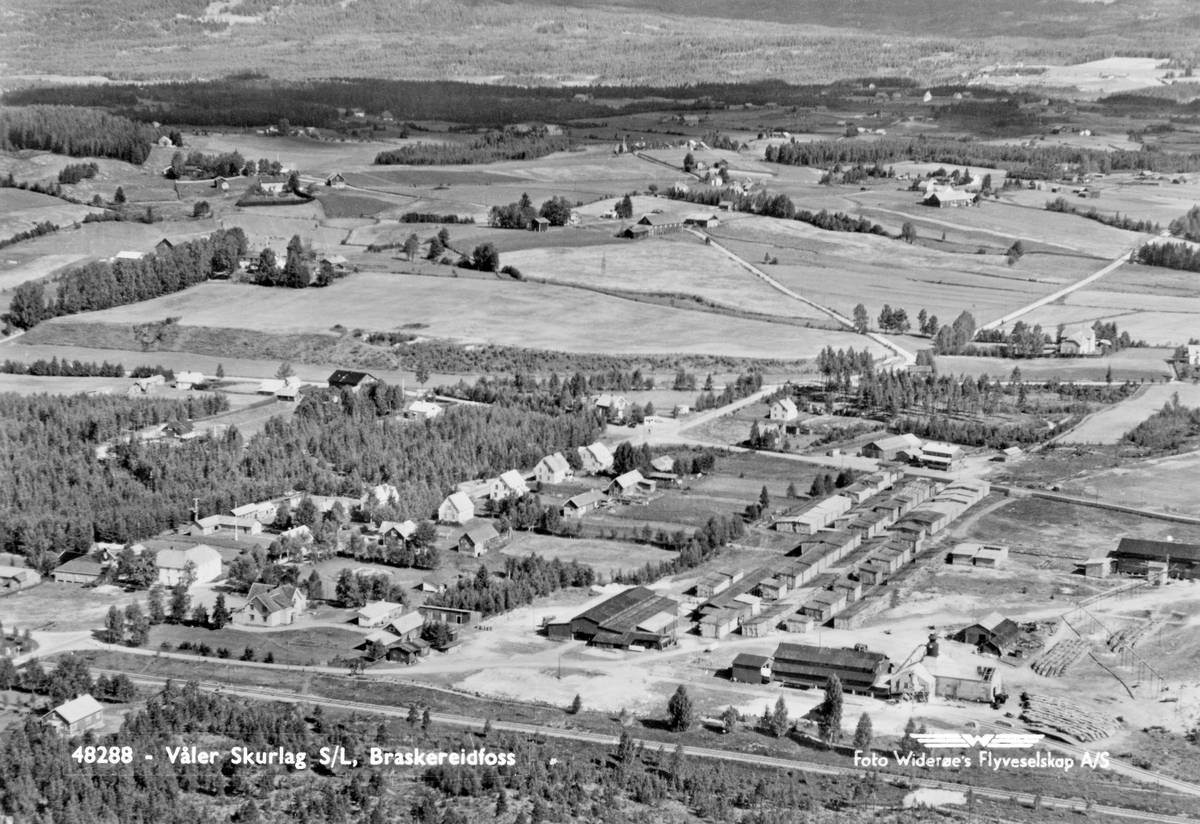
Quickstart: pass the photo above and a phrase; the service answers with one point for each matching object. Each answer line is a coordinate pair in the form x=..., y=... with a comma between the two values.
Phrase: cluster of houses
x=201, y=561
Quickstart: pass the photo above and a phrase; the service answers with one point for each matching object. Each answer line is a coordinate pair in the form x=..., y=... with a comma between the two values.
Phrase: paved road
x=655, y=746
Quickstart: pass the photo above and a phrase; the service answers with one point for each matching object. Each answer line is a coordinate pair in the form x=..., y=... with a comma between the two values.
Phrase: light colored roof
x=424, y=408
x=513, y=480
x=587, y=498
x=663, y=464
x=227, y=520
x=408, y=622
x=947, y=449
x=179, y=558
x=630, y=478
x=480, y=532
x=270, y=386
x=600, y=452
x=406, y=528
x=189, y=377
x=787, y=403
x=123, y=255
x=247, y=509
x=460, y=502
x=992, y=620
x=378, y=609
x=78, y=709
x=383, y=637
x=556, y=463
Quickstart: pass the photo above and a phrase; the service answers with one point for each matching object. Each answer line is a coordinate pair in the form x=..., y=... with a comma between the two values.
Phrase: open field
x=679, y=264
x=1110, y=425
x=15, y=270
x=21, y=210
x=839, y=270
x=604, y=556
x=275, y=229
x=476, y=311
x=1129, y=364
x=1164, y=484
x=1122, y=194
x=31, y=385
x=40, y=608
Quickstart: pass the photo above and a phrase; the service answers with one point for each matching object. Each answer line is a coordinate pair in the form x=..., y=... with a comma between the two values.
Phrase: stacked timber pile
x=1067, y=716
x=1129, y=637
x=1060, y=656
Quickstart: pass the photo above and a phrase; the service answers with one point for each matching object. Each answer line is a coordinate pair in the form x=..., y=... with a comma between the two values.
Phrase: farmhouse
x=456, y=509
x=596, y=458
x=661, y=224
x=269, y=607
x=477, y=538
x=349, y=379
x=1081, y=342
x=379, y=613
x=809, y=666
x=422, y=411
x=635, y=616
x=188, y=380
x=552, y=469
x=783, y=410
x=512, y=485
x=76, y=716
x=887, y=449
x=84, y=570
x=173, y=564
x=948, y=198
x=751, y=669
x=1133, y=556
x=993, y=634
x=580, y=505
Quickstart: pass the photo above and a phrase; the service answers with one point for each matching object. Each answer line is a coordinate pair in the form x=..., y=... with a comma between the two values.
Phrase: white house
x=422, y=410
x=552, y=469
x=512, y=484
x=784, y=409
x=173, y=563
x=188, y=380
x=1080, y=342
x=596, y=458
x=456, y=509
x=378, y=613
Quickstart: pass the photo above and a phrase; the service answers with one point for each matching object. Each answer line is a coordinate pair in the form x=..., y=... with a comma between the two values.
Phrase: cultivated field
x=1160, y=202
x=477, y=311
x=839, y=270
x=1128, y=364
x=16, y=269
x=678, y=264
x=1109, y=425
x=20, y=211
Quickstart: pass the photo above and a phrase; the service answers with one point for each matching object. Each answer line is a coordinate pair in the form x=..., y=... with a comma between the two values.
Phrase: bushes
x=1167, y=429
x=75, y=172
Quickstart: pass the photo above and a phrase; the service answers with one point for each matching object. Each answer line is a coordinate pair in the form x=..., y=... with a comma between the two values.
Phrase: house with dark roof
x=808, y=666
x=751, y=669
x=270, y=607
x=349, y=379
x=1133, y=556
x=992, y=634
x=84, y=570
x=661, y=224
x=636, y=616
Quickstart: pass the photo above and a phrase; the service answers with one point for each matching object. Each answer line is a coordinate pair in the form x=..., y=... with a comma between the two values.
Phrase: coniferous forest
x=74, y=131
x=57, y=494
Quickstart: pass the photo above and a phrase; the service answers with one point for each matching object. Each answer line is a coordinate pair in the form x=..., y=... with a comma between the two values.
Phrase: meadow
x=1129, y=364
x=1160, y=317
x=673, y=264
x=1109, y=425
x=20, y=211
x=479, y=311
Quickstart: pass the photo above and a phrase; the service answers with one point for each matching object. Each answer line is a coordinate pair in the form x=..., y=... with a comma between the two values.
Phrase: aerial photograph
x=548, y=411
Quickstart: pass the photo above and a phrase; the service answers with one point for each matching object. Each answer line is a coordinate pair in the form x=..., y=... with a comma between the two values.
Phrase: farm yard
x=481, y=311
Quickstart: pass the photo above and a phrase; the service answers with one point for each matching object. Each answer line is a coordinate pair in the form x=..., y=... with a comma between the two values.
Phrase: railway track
x=471, y=723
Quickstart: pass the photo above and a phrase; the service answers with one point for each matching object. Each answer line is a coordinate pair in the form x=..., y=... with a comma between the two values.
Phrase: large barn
x=636, y=616
x=1133, y=556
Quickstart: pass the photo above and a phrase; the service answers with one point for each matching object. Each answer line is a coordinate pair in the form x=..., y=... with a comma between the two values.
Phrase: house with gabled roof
x=76, y=716
x=350, y=379
x=552, y=469
x=512, y=484
x=379, y=613
x=992, y=634
x=336, y=181
x=783, y=409
x=401, y=530
x=82, y=570
x=580, y=505
x=629, y=483
x=173, y=564
x=596, y=458
x=476, y=538
x=456, y=509
x=270, y=607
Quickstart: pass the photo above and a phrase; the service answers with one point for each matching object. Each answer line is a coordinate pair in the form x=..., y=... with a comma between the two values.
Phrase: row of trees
x=38, y=230
x=225, y=164
x=63, y=369
x=742, y=387
x=1180, y=256
x=525, y=579
x=102, y=285
x=487, y=148
x=1040, y=161
x=74, y=131
x=1061, y=204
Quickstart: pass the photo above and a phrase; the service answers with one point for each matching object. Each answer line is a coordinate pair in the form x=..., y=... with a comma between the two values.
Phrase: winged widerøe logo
x=991, y=741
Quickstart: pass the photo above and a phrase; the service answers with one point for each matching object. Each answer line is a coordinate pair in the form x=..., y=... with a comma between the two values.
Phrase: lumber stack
x=1067, y=716
x=1060, y=656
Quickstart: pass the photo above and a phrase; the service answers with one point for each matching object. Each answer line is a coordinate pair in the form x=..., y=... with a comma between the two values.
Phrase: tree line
x=487, y=148
x=525, y=579
x=1180, y=256
x=102, y=285
x=1187, y=226
x=54, y=368
x=74, y=131
x=521, y=213
x=1041, y=161
x=1060, y=204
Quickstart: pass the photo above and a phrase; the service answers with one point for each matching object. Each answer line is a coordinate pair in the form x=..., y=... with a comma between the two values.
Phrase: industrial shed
x=635, y=616
x=1133, y=556
x=993, y=634
x=751, y=669
x=809, y=666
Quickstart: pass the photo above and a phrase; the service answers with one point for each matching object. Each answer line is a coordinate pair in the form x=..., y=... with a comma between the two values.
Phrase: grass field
x=602, y=555
x=1110, y=425
x=1120, y=194
x=1128, y=364
x=30, y=385
x=673, y=264
x=477, y=311
x=1162, y=484
x=21, y=210
x=839, y=270
x=14, y=270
